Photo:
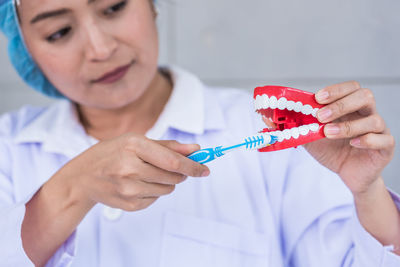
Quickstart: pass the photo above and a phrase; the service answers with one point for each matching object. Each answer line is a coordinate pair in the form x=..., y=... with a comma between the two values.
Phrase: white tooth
x=290, y=105
x=295, y=132
x=260, y=102
x=256, y=103
x=304, y=129
x=314, y=127
x=273, y=102
x=307, y=110
x=279, y=135
x=264, y=101
x=282, y=103
x=314, y=112
x=287, y=134
x=298, y=106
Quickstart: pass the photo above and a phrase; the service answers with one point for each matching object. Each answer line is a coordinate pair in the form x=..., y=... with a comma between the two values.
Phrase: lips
x=293, y=111
x=114, y=76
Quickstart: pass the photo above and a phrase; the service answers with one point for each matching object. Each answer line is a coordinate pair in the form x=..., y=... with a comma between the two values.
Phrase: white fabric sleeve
x=320, y=225
x=368, y=248
x=11, y=217
x=338, y=239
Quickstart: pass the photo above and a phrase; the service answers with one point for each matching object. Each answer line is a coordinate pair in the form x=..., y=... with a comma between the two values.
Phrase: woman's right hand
x=131, y=172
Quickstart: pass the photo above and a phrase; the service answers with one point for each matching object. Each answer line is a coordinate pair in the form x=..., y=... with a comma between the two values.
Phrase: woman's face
x=98, y=53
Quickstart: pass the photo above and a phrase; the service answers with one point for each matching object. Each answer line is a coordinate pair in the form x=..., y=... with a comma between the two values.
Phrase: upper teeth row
x=295, y=132
x=264, y=102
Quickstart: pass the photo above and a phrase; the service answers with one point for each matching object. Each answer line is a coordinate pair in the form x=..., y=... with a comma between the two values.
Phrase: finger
x=362, y=99
x=137, y=204
x=268, y=121
x=153, y=174
x=169, y=160
x=134, y=189
x=154, y=190
x=374, y=141
x=337, y=91
x=349, y=129
x=184, y=149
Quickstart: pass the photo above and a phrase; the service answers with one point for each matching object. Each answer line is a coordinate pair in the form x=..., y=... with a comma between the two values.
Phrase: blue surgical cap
x=18, y=53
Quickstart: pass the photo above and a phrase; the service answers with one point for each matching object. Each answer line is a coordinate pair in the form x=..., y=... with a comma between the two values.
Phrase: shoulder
x=11, y=124
x=14, y=122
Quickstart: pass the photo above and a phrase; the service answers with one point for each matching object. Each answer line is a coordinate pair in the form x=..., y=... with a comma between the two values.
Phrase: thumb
x=184, y=149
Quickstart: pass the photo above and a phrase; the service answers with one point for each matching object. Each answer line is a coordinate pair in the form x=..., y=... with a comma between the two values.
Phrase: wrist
x=81, y=197
x=378, y=214
x=371, y=193
x=75, y=191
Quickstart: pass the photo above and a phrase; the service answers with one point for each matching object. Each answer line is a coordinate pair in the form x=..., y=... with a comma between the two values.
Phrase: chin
x=114, y=101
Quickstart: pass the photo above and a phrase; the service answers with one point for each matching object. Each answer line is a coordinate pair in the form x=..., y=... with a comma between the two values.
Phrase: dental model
x=293, y=111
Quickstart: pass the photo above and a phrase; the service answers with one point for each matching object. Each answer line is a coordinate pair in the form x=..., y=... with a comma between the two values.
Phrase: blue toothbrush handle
x=254, y=142
x=206, y=155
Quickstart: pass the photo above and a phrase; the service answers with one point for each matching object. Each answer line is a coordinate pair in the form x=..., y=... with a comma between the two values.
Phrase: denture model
x=293, y=111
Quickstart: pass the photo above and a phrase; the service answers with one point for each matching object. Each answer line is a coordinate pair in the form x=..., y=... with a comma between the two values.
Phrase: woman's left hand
x=358, y=144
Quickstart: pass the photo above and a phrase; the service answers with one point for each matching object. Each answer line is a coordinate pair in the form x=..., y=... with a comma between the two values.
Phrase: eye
x=115, y=8
x=58, y=35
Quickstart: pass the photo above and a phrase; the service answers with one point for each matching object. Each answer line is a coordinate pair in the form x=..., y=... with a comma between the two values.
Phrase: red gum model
x=294, y=113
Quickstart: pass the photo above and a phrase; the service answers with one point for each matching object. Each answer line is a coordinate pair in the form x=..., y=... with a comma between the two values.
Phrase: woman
x=79, y=180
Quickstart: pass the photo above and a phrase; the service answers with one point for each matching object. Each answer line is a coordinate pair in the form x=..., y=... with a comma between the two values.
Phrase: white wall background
x=306, y=44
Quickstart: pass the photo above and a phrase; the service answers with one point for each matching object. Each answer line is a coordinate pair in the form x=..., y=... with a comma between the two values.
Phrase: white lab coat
x=255, y=209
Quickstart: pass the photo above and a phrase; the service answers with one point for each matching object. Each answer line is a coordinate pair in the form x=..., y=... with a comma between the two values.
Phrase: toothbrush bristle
x=274, y=139
x=260, y=141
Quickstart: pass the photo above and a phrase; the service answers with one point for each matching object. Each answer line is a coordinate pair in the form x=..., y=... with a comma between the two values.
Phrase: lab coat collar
x=58, y=130
x=191, y=109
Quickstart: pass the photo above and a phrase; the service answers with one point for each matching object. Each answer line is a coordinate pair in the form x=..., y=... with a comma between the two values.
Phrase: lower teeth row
x=295, y=132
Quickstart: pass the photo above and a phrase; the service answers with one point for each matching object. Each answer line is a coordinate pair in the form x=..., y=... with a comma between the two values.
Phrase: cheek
x=60, y=67
x=59, y=64
x=141, y=36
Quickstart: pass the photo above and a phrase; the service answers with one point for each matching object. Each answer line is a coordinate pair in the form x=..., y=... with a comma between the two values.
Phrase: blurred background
x=306, y=44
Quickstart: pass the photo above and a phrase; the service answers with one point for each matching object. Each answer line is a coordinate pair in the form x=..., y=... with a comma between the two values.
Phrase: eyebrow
x=54, y=13
x=49, y=14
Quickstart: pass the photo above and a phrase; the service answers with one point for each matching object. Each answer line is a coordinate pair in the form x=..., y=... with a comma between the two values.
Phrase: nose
x=101, y=45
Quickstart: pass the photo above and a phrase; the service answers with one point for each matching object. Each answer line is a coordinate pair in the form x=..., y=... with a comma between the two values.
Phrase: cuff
x=65, y=254
x=368, y=250
x=12, y=251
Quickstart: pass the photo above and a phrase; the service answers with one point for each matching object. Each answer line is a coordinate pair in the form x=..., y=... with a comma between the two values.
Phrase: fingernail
x=356, y=142
x=205, y=173
x=332, y=130
x=324, y=114
x=322, y=95
x=195, y=146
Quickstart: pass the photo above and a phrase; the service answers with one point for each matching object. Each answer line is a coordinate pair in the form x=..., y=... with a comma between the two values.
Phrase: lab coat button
x=111, y=213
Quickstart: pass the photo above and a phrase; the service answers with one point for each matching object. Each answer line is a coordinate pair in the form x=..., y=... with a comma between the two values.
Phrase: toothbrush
x=253, y=142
